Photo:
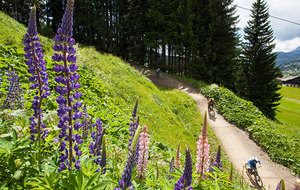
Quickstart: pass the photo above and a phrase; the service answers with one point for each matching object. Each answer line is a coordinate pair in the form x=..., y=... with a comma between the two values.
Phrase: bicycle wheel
x=248, y=172
x=258, y=179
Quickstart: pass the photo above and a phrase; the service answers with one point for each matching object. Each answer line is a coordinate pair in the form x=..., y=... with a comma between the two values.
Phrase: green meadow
x=288, y=112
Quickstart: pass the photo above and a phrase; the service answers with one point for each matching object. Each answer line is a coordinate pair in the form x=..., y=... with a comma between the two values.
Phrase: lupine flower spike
x=39, y=77
x=96, y=144
x=14, y=99
x=143, y=153
x=186, y=179
x=125, y=182
x=134, y=122
x=68, y=110
x=280, y=185
x=103, y=156
x=177, y=158
x=203, y=157
x=171, y=168
x=85, y=123
x=217, y=162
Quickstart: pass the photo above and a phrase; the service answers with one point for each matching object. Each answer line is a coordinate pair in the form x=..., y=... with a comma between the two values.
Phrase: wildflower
x=177, y=158
x=143, y=153
x=171, y=168
x=103, y=157
x=39, y=77
x=203, y=157
x=56, y=140
x=125, y=182
x=14, y=99
x=186, y=179
x=278, y=186
x=96, y=145
x=217, y=162
x=68, y=89
x=134, y=122
x=85, y=123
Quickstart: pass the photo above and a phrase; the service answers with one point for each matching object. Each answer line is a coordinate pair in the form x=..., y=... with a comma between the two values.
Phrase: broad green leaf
x=5, y=146
x=92, y=179
x=14, y=134
x=99, y=186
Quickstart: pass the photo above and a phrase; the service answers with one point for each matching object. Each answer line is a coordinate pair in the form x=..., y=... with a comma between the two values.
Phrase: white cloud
x=287, y=34
x=287, y=45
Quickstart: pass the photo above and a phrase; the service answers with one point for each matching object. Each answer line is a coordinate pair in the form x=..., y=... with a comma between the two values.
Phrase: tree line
x=193, y=38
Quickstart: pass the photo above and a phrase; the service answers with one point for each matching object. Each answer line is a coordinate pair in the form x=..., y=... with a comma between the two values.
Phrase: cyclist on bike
x=252, y=163
x=211, y=103
x=158, y=73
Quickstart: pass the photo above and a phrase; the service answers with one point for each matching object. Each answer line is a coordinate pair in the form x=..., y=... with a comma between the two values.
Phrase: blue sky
x=287, y=35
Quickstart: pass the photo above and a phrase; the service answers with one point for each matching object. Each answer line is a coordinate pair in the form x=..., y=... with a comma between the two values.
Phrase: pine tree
x=199, y=67
x=137, y=26
x=259, y=61
x=224, y=40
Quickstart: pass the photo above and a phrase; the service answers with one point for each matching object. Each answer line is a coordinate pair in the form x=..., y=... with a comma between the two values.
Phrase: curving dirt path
x=234, y=141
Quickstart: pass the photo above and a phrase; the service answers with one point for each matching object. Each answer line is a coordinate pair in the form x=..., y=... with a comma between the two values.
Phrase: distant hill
x=289, y=62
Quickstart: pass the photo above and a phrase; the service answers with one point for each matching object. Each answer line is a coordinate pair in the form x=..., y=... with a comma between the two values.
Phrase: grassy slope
x=171, y=115
x=288, y=111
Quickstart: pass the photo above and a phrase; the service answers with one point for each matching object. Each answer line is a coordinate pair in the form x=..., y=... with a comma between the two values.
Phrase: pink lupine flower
x=143, y=153
x=203, y=157
x=177, y=162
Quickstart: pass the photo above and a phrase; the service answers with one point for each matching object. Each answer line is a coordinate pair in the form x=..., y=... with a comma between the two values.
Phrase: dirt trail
x=234, y=141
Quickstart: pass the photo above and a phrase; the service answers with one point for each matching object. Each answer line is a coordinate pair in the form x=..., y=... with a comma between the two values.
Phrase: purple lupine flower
x=39, y=77
x=203, y=157
x=278, y=186
x=218, y=158
x=125, y=182
x=143, y=153
x=103, y=156
x=67, y=78
x=134, y=122
x=85, y=123
x=177, y=163
x=171, y=168
x=217, y=162
x=96, y=144
x=186, y=179
x=14, y=99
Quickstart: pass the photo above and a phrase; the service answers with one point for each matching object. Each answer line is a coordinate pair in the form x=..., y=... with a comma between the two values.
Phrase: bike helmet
x=255, y=159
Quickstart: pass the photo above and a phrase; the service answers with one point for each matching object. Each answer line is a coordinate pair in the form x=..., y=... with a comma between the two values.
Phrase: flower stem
x=69, y=104
x=40, y=101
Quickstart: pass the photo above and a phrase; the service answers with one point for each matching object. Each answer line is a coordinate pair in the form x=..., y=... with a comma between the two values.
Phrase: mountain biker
x=158, y=70
x=158, y=73
x=211, y=103
x=252, y=163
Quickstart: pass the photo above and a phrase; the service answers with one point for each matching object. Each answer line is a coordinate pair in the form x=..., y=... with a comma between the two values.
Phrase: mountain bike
x=254, y=176
x=158, y=74
x=211, y=112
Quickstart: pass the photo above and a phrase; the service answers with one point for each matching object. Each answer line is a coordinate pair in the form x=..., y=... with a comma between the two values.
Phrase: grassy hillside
x=170, y=114
x=288, y=111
